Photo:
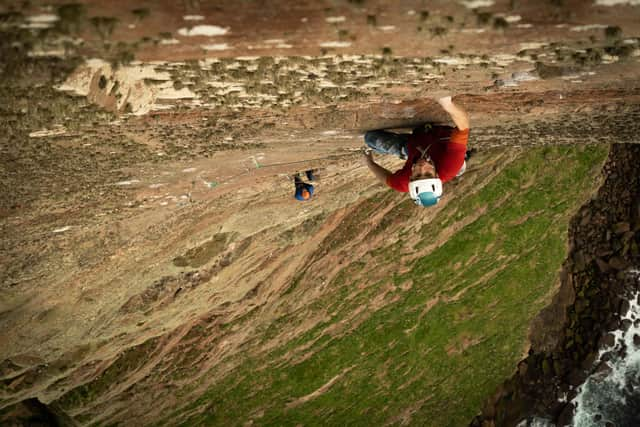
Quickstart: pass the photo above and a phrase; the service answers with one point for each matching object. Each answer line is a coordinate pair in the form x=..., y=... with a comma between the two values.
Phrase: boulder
x=604, y=252
x=586, y=217
x=603, y=266
x=522, y=368
x=603, y=370
x=607, y=341
x=576, y=377
x=578, y=339
x=622, y=352
x=559, y=368
x=618, y=263
x=580, y=305
x=566, y=415
x=623, y=308
x=547, y=370
x=568, y=332
x=630, y=388
x=621, y=227
x=579, y=261
x=587, y=363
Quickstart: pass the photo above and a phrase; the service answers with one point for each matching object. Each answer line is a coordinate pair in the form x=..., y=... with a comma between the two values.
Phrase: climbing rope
x=214, y=184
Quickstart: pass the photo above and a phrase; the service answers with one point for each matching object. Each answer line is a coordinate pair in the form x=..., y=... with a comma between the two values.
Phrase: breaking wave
x=611, y=396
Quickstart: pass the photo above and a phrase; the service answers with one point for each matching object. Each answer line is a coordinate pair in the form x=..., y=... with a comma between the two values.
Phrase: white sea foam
x=608, y=395
x=536, y=422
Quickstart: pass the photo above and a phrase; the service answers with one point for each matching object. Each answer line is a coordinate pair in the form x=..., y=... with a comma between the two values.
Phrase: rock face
x=590, y=301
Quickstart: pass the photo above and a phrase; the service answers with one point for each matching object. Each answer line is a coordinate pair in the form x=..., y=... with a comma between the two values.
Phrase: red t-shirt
x=444, y=144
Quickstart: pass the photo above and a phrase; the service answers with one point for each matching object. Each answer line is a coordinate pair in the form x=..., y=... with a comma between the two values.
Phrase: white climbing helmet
x=425, y=192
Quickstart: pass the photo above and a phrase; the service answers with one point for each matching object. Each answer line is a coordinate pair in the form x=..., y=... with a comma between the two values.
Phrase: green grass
x=200, y=255
x=437, y=365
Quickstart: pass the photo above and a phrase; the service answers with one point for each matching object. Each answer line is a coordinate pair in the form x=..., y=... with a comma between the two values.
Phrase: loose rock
x=618, y=263
x=624, y=308
x=566, y=415
x=621, y=227
x=603, y=266
x=607, y=341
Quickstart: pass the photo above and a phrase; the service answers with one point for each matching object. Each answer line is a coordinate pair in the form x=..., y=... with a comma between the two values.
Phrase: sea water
x=612, y=395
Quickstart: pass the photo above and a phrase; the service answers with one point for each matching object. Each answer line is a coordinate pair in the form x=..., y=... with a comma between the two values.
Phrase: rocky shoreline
x=604, y=241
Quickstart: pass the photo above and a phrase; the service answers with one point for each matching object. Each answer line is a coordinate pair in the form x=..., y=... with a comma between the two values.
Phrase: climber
x=433, y=156
x=304, y=191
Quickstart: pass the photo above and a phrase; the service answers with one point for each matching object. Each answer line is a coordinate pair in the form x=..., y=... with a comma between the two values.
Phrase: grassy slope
x=439, y=364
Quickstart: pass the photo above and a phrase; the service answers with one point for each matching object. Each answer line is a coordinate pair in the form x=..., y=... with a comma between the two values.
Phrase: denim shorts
x=384, y=142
